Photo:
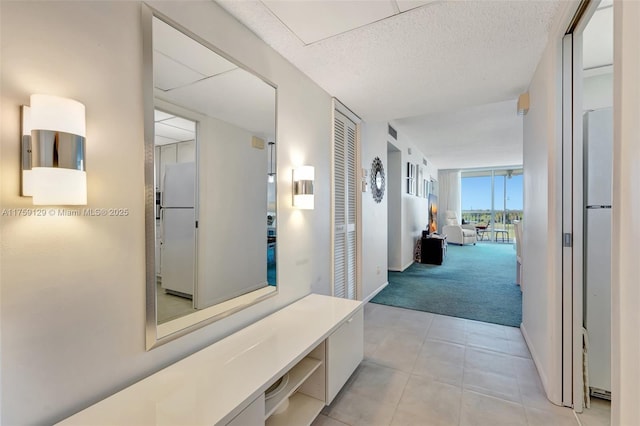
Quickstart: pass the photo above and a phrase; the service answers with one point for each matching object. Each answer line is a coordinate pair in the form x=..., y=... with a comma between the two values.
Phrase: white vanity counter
x=214, y=385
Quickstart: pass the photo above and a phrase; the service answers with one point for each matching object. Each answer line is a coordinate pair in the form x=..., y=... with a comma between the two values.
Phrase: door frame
x=573, y=209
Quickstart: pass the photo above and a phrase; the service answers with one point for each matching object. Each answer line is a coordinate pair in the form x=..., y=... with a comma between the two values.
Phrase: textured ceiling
x=479, y=136
x=443, y=56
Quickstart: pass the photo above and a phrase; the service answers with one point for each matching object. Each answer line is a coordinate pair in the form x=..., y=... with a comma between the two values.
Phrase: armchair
x=456, y=233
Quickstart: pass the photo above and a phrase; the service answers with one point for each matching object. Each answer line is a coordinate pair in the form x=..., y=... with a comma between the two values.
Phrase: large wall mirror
x=210, y=128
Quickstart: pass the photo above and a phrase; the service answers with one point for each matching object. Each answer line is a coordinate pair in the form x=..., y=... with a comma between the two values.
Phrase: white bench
x=318, y=340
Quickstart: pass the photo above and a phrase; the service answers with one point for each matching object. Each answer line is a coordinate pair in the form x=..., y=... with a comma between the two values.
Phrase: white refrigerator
x=178, y=229
x=598, y=149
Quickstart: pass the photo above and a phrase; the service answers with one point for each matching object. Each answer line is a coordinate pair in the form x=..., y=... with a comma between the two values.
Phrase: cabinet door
x=253, y=415
x=345, y=350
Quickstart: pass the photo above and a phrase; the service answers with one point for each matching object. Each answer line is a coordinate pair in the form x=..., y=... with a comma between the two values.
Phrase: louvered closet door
x=344, y=207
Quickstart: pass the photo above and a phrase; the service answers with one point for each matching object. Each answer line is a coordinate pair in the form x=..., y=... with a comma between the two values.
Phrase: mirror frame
x=219, y=311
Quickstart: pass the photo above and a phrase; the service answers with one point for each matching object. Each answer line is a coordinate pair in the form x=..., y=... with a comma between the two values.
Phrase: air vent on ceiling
x=393, y=132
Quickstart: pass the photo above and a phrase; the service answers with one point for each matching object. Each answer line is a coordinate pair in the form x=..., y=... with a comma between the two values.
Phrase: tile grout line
x=464, y=357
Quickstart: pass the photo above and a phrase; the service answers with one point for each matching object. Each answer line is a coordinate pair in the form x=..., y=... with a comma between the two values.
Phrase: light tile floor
x=598, y=415
x=425, y=369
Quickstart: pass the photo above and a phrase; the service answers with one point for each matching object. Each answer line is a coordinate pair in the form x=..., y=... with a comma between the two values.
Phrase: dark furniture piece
x=433, y=249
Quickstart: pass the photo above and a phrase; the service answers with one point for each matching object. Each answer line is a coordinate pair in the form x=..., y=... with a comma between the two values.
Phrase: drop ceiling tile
x=312, y=21
x=161, y=115
x=186, y=51
x=182, y=123
x=405, y=5
x=161, y=140
x=169, y=74
x=174, y=133
x=236, y=97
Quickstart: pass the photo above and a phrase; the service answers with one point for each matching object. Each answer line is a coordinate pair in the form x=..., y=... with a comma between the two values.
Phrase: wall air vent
x=393, y=132
x=424, y=161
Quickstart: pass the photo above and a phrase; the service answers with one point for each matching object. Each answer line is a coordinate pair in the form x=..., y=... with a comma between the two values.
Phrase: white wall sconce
x=53, y=151
x=303, y=178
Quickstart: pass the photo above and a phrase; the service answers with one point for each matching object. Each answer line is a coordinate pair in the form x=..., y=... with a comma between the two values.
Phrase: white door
x=345, y=207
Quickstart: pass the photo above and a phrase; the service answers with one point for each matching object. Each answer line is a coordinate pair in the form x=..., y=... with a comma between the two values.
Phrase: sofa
x=457, y=233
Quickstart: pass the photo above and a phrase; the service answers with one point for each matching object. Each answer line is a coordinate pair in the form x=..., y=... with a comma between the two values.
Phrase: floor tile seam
x=441, y=339
x=397, y=404
x=494, y=397
x=486, y=371
x=337, y=420
x=434, y=379
x=528, y=409
x=491, y=393
x=371, y=361
x=401, y=331
x=415, y=359
x=461, y=388
x=552, y=411
x=466, y=369
x=520, y=380
x=493, y=351
x=496, y=351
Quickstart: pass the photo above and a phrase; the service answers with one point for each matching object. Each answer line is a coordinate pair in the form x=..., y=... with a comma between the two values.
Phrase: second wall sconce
x=303, y=178
x=53, y=151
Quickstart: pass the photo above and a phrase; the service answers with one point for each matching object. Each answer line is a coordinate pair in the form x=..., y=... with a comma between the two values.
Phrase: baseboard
x=536, y=361
x=401, y=269
x=378, y=290
x=407, y=265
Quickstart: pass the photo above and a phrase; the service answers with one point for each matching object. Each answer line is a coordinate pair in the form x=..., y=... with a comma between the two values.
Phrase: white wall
x=395, y=185
x=73, y=290
x=542, y=224
x=413, y=210
x=625, y=409
x=231, y=240
x=374, y=215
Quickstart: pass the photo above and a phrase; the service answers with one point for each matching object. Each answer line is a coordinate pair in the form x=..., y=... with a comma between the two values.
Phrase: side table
x=433, y=249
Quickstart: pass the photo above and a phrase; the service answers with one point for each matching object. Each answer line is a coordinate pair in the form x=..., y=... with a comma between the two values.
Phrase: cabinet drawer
x=345, y=350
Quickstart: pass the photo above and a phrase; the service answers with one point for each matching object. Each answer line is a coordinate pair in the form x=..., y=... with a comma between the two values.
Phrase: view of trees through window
x=493, y=199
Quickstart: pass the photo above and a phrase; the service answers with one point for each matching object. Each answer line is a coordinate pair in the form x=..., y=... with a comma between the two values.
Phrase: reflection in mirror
x=214, y=170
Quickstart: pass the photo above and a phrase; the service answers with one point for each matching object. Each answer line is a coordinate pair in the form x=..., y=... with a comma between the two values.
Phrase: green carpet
x=474, y=282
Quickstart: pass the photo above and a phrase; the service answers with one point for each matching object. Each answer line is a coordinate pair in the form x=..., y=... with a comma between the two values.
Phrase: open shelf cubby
x=302, y=410
x=305, y=392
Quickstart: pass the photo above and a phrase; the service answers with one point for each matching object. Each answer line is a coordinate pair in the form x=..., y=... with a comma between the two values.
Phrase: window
x=493, y=198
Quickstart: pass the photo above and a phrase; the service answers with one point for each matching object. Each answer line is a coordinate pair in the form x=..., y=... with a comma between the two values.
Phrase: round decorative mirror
x=377, y=179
